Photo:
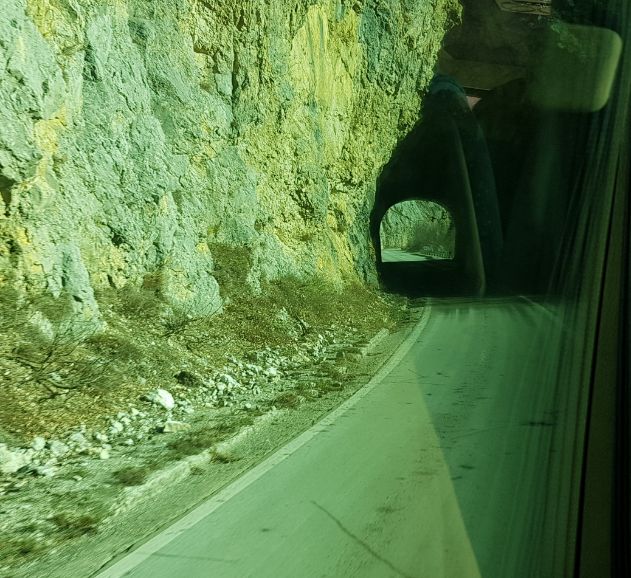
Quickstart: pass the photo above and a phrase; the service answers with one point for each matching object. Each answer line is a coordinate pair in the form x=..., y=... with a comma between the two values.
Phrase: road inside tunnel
x=402, y=256
x=439, y=467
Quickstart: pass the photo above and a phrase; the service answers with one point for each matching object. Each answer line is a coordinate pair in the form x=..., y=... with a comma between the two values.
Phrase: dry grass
x=287, y=399
x=132, y=475
x=312, y=305
x=73, y=526
x=192, y=443
x=18, y=547
x=224, y=457
x=231, y=268
x=49, y=384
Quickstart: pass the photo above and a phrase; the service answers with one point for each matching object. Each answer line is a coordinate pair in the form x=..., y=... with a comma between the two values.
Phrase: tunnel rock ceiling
x=138, y=137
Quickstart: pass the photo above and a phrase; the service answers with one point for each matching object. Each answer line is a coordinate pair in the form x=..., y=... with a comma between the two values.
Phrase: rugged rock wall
x=139, y=141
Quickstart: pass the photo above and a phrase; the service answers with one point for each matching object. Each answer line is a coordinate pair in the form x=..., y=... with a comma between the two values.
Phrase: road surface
x=437, y=469
x=399, y=256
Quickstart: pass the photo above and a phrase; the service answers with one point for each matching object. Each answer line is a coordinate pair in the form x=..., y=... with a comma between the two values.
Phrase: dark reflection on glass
x=524, y=141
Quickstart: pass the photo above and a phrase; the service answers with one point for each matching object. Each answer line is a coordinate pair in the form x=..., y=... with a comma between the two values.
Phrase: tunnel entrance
x=416, y=249
x=433, y=182
x=416, y=230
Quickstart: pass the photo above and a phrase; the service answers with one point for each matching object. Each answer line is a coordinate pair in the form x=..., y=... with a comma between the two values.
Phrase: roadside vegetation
x=57, y=371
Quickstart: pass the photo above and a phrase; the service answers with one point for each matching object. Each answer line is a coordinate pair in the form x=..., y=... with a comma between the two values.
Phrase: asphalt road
x=399, y=255
x=437, y=469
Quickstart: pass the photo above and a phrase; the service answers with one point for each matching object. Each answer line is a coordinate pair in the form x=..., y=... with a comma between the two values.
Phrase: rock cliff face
x=142, y=142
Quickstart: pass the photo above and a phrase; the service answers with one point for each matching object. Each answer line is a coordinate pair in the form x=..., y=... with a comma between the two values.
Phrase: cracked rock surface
x=140, y=142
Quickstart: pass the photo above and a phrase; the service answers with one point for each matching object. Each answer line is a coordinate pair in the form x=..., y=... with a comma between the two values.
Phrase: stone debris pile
x=239, y=384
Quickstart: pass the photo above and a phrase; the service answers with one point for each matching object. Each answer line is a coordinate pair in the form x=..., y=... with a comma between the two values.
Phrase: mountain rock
x=187, y=145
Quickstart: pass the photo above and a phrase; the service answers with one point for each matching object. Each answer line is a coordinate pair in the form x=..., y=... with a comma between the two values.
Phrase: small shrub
x=188, y=379
x=113, y=347
x=193, y=443
x=326, y=386
x=18, y=547
x=27, y=546
x=181, y=324
x=132, y=475
x=224, y=457
x=59, y=361
x=287, y=399
x=335, y=372
x=153, y=281
x=232, y=265
x=75, y=526
x=228, y=426
x=138, y=303
x=308, y=391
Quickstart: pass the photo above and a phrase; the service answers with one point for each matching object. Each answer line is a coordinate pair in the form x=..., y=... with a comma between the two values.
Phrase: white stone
x=129, y=442
x=54, y=376
x=116, y=427
x=100, y=437
x=12, y=461
x=39, y=443
x=58, y=448
x=229, y=381
x=104, y=454
x=46, y=471
x=134, y=412
x=171, y=426
x=272, y=372
x=79, y=439
x=162, y=397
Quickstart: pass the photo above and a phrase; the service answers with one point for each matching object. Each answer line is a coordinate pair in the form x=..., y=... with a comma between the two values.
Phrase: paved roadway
x=437, y=469
x=399, y=255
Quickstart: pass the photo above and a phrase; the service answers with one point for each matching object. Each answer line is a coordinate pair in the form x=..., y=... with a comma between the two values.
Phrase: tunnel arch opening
x=416, y=230
x=429, y=166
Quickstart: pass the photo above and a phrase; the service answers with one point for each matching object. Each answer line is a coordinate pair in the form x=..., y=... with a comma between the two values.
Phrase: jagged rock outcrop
x=139, y=141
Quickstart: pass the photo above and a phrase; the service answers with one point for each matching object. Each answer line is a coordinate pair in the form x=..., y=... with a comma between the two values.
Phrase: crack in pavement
x=362, y=543
x=184, y=557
